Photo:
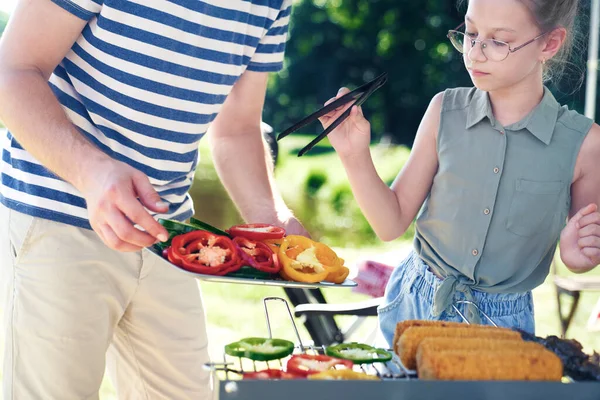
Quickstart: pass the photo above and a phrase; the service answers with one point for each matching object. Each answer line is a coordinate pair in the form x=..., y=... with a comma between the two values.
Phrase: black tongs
x=360, y=94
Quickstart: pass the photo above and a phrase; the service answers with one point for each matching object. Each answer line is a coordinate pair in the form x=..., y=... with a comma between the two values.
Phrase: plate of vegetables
x=259, y=254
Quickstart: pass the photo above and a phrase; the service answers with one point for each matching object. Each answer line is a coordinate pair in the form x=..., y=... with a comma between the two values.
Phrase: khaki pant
x=73, y=306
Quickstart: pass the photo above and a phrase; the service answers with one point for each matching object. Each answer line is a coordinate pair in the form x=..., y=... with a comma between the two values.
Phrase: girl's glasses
x=492, y=49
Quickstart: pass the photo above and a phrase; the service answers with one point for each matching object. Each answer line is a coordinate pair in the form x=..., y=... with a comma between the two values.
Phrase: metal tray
x=348, y=283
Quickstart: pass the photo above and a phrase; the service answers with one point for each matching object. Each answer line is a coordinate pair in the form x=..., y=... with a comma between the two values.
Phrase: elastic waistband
x=423, y=280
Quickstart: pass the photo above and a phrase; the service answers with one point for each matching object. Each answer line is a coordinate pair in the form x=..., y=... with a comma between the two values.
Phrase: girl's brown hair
x=550, y=14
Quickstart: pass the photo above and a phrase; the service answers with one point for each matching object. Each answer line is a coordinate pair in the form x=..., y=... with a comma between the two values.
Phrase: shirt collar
x=479, y=108
x=540, y=121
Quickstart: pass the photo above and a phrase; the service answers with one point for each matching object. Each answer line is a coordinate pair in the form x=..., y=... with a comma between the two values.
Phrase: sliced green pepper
x=208, y=227
x=174, y=228
x=358, y=353
x=260, y=349
x=251, y=273
x=194, y=225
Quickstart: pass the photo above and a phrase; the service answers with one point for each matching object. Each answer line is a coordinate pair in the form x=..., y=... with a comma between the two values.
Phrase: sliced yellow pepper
x=273, y=244
x=304, y=260
x=342, y=374
x=339, y=276
x=336, y=275
x=337, y=271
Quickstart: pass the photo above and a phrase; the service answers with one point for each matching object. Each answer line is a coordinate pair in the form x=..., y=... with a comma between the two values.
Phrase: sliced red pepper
x=257, y=231
x=205, y=253
x=172, y=258
x=258, y=254
x=267, y=374
x=308, y=364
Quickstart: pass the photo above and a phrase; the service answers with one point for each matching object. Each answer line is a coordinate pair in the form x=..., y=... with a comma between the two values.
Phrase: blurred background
x=334, y=43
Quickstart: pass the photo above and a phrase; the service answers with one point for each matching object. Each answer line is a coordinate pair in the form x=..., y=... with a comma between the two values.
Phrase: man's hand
x=293, y=226
x=112, y=201
x=580, y=240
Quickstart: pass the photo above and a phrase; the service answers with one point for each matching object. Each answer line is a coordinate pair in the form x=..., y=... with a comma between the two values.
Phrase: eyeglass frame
x=474, y=41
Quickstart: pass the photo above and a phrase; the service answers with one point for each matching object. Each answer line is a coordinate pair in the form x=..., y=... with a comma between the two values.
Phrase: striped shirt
x=143, y=82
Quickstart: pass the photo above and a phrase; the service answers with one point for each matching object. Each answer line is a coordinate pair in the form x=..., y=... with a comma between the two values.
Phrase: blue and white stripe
x=143, y=82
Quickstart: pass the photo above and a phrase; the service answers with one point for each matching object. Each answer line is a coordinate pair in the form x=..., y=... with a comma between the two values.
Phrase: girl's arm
x=389, y=211
x=580, y=239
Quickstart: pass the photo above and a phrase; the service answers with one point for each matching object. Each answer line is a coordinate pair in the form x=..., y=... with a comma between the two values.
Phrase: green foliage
x=314, y=182
x=3, y=21
x=342, y=196
x=325, y=203
x=314, y=186
x=336, y=43
x=348, y=42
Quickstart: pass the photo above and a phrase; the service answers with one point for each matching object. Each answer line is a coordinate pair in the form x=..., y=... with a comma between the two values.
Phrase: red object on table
x=372, y=277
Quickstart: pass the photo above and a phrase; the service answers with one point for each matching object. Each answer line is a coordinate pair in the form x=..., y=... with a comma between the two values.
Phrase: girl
x=499, y=171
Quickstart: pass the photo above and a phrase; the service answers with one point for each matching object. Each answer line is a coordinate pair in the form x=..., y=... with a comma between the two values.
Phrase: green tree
x=337, y=43
x=3, y=21
x=348, y=42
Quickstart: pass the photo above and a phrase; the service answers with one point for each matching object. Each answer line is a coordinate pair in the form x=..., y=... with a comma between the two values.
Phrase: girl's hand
x=354, y=134
x=580, y=240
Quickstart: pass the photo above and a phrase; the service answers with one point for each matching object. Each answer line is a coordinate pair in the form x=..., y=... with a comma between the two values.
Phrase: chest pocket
x=534, y=207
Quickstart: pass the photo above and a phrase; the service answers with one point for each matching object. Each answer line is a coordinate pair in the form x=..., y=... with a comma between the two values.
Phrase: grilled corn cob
x=404, y=325
x=433, y=345
x=408, y=343
x=513, y=364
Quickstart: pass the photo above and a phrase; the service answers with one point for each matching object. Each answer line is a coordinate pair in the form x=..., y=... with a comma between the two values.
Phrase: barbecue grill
x=395, y=381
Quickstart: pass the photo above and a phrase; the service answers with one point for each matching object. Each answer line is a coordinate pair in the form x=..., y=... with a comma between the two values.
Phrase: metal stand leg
x=565, y=321
x=323, y=329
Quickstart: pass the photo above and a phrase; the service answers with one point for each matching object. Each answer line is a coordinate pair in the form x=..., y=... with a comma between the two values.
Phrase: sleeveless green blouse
x=500, y=197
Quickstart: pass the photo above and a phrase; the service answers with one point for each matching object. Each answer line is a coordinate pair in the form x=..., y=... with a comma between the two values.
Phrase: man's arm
x=241, y=158
x=39, y=35
x=27, y=104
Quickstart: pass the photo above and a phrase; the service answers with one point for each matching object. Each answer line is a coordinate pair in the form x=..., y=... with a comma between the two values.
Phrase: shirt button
x=486, y=211
x=496, y=170
x=475, y=252
x=502, y=132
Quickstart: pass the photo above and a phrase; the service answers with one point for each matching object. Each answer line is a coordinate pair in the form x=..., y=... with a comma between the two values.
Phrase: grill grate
x=233, y=368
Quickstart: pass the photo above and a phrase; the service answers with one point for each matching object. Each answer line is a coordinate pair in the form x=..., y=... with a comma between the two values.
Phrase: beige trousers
x=73, y=306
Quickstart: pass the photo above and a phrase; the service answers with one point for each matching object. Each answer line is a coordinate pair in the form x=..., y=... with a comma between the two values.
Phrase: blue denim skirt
x=411, y=289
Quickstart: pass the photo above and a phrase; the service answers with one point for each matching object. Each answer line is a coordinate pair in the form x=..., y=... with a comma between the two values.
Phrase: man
x=105, y=102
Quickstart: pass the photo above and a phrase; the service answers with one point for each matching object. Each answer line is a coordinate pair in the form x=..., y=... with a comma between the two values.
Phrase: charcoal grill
x=395, y=382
